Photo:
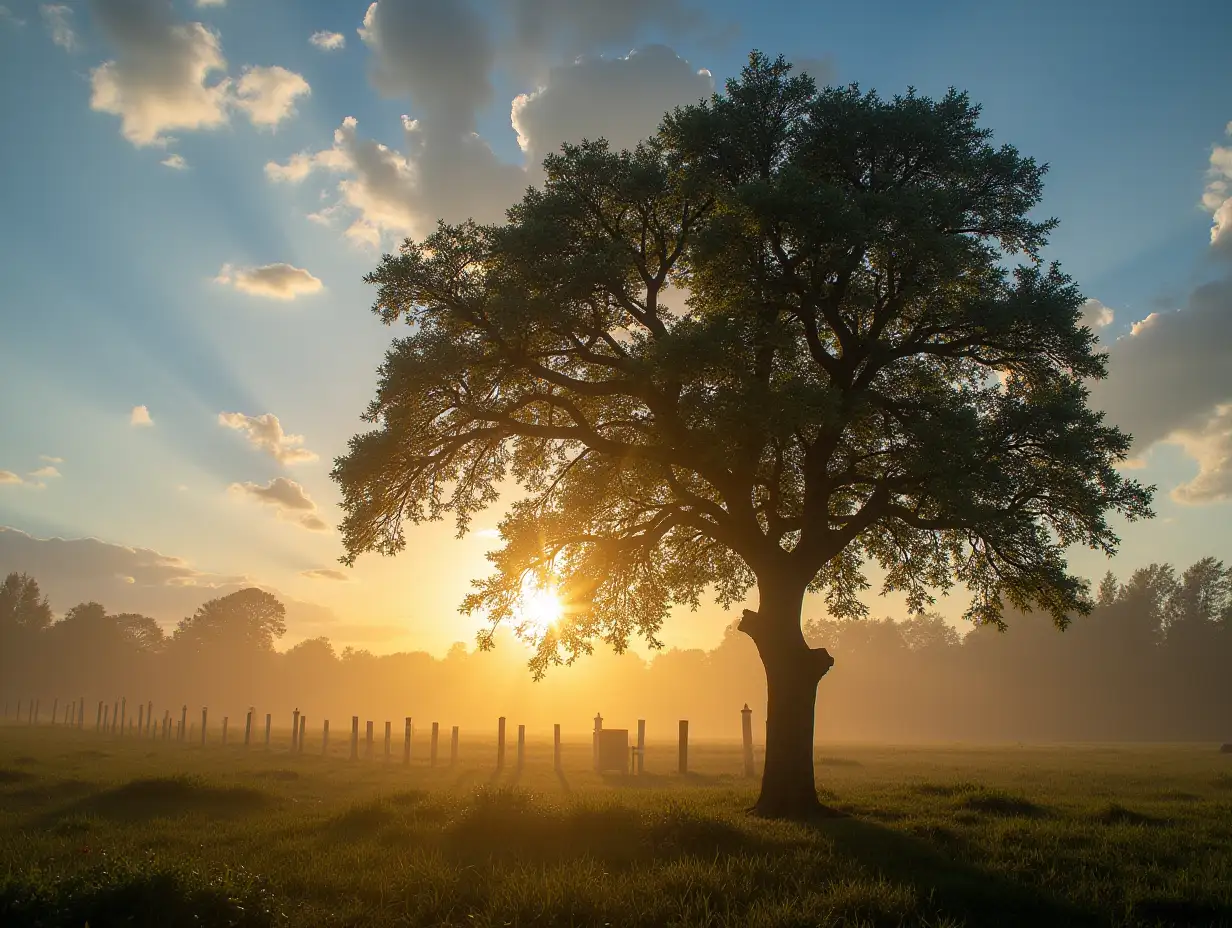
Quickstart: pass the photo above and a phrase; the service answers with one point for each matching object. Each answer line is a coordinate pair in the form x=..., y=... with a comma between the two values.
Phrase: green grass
x=113, y=832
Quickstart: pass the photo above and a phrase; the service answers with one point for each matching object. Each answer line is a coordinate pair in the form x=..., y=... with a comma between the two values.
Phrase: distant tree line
x=1152, y=662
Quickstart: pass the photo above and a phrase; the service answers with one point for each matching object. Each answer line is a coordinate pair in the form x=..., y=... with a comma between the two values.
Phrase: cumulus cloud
x=289, y=500
x=169, y=75
x=620, y=99
x=265, y=433
x=51, y=459
x=1169, y=380
x=10, y=478
x=446, y=172
x=328, y=41
x=166, y=75
x=1217, y=197
x=204, y=3
x=49, y=471
x=58, y=19
x=140, y=415
x=268, y=95
x=1096, y=316
x=1210, y=446
x=276, y=281
x=326, y=573
x=175, y=162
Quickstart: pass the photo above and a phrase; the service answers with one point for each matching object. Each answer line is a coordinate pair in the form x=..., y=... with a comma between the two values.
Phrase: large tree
x=857, y=377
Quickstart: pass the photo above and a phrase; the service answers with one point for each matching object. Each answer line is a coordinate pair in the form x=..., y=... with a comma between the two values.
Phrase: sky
x=191, y=193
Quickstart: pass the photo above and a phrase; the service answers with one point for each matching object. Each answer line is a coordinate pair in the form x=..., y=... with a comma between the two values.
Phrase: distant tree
x=248, y=620
x=928, y=630
x=143, y=632
x=22, y=604
x=856, y=377
x=1200, y=602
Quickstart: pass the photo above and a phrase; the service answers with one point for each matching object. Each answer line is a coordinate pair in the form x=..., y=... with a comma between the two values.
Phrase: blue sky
x=128, y=282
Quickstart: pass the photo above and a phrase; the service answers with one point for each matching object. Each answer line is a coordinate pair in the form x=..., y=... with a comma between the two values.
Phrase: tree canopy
x=854, y=373
x=249, y=619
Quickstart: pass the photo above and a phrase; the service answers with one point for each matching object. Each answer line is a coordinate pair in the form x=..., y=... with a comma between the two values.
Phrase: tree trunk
x=793, y=670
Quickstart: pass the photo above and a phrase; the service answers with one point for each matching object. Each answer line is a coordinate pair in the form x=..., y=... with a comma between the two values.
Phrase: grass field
x=118, y=832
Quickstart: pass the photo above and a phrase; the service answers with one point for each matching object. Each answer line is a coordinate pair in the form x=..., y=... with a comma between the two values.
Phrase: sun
x=538, y=610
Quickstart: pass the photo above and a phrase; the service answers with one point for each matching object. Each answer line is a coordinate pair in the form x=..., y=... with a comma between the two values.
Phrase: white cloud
x=1217, y=197
x=446, y=171
x=1211, y=446
x=165, y=76
x=275, y=281
x=8, y=477
x=47, y=471
x=7, y=16
x=290, y=501
x=1096, y=316
x=328, y=41
x=51, y=459
x=620, y=99
x=326, y=573
x=205, y=3
x=140, y=416
x=176, y=162
x=169, y=75
x=265, y=433
x=58, y=19
x=268, y=95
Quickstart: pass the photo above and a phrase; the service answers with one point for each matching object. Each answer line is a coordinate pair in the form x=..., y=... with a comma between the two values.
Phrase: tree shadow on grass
x=958, y=889
x=165, y=797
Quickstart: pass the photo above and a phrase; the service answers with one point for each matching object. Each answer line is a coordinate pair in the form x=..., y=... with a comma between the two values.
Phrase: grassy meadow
x=111, y=831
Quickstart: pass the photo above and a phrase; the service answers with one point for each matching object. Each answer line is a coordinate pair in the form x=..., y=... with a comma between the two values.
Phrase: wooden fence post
x=225, y=719
x=500, y=743
x=55, y=708
x=248, y=728
x=406, y=742
x=141, y=718
x=594, y=741
x=98, y=719
x=388, y=732
x=303, y=730
x=436, y=730
x=123, y=713
x=294, y=729
x=355, y=737
x=106, y=718
x=641, y=746
x=683, y=767
x=269, y=722
x=325, y=739
x=149, y=716
x=556, y=747
x=184, y=722
x=204, y=714
x=746, y=729
x=453, y=747
x=368, y=741
x=521, y=746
